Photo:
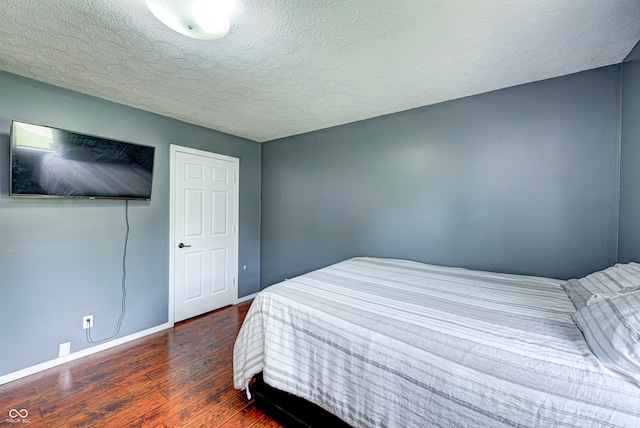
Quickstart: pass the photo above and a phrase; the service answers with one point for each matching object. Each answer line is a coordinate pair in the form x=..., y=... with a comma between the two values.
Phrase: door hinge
x=234, y=229
x=235, y=178
x=234, y=281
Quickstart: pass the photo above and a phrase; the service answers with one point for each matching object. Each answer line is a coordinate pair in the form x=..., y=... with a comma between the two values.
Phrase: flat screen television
x=55, y=163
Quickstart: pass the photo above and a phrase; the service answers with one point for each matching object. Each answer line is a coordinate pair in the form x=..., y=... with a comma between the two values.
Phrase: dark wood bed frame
x=292, y=411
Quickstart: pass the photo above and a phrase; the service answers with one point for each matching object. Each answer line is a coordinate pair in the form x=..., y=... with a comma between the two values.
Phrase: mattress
x=381, y=342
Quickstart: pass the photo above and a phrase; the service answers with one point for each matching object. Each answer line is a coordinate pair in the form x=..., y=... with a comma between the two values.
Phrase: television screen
x=55, y=163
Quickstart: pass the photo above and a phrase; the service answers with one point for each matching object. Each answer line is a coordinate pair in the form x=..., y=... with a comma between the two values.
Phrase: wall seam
x=619, y=164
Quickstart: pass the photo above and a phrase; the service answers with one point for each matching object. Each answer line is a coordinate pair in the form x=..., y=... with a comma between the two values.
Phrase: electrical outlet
x=87, y=322
x=64, y=349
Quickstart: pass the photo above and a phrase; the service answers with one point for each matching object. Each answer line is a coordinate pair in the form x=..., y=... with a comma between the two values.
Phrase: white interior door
x=204, y=231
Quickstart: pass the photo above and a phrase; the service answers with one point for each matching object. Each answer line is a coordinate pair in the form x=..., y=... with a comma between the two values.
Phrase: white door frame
x=172, y=198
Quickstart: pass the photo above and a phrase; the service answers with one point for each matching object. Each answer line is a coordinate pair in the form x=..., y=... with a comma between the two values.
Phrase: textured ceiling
x=293, y=66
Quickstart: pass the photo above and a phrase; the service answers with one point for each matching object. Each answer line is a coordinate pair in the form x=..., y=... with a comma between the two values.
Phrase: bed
x=383, y=342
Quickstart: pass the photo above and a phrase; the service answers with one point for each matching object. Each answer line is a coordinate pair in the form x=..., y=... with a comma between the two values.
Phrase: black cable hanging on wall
x=124, y=283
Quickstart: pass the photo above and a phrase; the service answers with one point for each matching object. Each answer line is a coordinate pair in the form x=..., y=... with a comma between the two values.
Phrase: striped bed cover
x=383, y=343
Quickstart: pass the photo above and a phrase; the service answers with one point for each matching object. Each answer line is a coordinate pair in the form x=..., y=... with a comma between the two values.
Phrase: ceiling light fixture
x=200, y=19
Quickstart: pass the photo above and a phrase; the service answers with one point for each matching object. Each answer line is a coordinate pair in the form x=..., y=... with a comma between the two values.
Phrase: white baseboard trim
x=76, y=355
x=245, y=298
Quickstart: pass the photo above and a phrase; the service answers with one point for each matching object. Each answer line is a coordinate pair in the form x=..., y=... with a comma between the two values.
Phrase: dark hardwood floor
x=180, y=377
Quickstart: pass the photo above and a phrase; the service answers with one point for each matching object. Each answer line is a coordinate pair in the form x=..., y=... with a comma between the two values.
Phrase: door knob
x=181, y=245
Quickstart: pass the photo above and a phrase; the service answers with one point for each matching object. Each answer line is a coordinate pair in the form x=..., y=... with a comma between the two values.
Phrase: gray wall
x=521, y=180
x=61, y=259
x=629, y=247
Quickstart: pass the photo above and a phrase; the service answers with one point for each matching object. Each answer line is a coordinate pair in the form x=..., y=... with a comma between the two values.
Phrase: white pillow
x=611, y=327
x=595, y=297
x=604, y=283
